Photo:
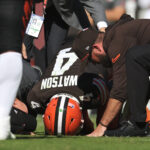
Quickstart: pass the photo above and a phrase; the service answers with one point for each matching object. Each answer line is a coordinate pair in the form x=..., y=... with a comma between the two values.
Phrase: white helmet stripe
x=65, y=95
x=60, y=115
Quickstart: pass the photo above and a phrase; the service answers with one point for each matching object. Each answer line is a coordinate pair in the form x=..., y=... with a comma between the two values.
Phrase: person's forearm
x=100, y=25
x=96, y=10
x=20, y=105
x=112, y=109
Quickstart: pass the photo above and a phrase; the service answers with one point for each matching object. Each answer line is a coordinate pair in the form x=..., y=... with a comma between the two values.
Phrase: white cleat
x=5, y=132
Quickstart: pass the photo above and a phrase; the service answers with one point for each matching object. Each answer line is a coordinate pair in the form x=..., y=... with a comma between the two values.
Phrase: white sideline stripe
x=60, y=115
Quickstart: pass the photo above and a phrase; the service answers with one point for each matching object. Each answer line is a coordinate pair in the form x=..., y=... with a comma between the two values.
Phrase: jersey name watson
x=59, y=81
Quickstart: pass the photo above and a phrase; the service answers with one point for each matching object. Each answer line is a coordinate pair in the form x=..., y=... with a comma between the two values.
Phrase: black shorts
x=11, y=12
x=22, y=122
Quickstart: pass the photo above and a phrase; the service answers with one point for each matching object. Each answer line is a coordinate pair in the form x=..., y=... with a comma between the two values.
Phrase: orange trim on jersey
x=116, y=58
x=147, y=114
x=85, y=57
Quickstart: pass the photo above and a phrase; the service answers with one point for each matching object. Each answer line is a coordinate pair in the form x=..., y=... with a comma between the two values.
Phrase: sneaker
x=129, y=129
x=5, y=132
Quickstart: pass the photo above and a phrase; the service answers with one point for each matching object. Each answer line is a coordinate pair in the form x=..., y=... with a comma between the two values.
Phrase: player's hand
x=24, y=52
x=98, y=132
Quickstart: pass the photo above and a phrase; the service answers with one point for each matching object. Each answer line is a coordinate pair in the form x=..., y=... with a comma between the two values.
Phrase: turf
x=41, y=142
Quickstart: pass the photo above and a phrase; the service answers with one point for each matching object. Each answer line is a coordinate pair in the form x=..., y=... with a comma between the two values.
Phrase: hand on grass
x=98, y=132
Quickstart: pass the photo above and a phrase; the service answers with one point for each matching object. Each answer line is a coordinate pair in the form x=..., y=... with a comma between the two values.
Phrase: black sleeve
x=28, y=42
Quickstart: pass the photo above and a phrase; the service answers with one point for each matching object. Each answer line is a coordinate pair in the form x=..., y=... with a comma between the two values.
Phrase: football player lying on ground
x=62, y=77
x=59, y=83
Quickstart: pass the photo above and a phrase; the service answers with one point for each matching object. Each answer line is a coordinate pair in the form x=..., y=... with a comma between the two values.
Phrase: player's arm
x=96, y=10
x=112, y=109
x=114, y=104
x=118, y=92
x=20, y=105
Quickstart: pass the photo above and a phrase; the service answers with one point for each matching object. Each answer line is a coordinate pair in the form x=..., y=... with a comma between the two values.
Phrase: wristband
x=103, y=32
x=102, y=124
x=85, y=57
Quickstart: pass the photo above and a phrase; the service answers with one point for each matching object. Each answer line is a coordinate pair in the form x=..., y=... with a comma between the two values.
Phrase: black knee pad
x=22, y=122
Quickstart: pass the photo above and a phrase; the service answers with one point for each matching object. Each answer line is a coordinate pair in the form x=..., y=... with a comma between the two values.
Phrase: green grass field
x=41, y=142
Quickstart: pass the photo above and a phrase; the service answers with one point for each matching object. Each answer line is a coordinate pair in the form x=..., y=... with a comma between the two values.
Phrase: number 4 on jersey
x=60, y=67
